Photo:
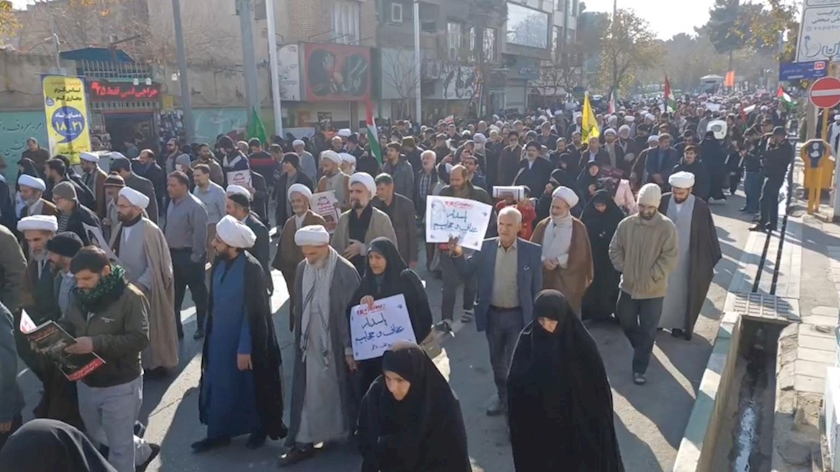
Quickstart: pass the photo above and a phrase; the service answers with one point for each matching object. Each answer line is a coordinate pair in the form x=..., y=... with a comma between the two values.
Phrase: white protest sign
x=374, y=330
x=448, y=217
x=326, y=205
x=516, y=193
x=239, y=177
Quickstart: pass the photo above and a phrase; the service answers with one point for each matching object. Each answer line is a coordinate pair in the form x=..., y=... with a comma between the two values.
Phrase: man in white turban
x=31, y=193
x=333, y=179
x=361, y=224
x=566, y=253
x=644, y=250
x=323, y=350
x=238, y=190
x=307, y=162
x=242, y=358
x=698, y=252
x=141, y=247
x=94, y=178
x=348, y=163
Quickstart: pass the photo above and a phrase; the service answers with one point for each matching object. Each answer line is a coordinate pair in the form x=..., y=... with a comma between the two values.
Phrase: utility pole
x=186, y=93
x=275, y=72
x=246, y=22
x=417, y=79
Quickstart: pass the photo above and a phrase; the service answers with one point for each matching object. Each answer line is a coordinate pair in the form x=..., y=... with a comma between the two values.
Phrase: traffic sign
x=825, y=93
x=802, y=70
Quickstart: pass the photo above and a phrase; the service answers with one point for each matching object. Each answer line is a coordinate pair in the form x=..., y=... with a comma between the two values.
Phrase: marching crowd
x=612, y=225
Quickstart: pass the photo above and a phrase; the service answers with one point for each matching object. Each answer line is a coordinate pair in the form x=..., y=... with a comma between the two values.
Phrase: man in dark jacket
x=403, y=218
x=72, y=216
x=689, y=163
x=775, y=166
x=122, y=166
x=58, y=170
x=509, y=160
x=534, y=171
x=11, y=397
x=239, y=207
x=146, y=166
x=38, y=155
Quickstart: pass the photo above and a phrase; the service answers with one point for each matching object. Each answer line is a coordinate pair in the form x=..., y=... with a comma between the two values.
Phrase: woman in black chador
x=601, y=217
x=410, y=419
x=386, y=275
x=560, y=409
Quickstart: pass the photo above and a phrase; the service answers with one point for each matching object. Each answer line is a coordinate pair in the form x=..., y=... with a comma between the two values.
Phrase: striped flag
x=612, y=103
x=784, y=98
x=372, y=133
x=670, y=103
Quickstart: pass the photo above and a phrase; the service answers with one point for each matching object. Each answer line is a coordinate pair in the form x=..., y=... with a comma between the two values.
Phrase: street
x=649, y=419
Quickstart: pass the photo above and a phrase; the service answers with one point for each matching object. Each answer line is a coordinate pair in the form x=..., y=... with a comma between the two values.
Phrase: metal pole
x=275, y=72
x=186, y=93
x=417, y=77
x=246, y=22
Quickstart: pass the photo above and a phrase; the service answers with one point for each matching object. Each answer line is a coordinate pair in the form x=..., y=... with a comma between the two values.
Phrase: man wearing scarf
x=109, y=317
x=142, y=250
x=698, y=251
x=322, y=408
x=566, y=253
x=244, y=397
x=334, y=179
x=239, y=206
x=362, y=224
x=288, y=254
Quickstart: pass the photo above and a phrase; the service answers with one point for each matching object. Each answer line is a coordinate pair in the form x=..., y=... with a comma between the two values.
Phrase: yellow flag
x=589, y=127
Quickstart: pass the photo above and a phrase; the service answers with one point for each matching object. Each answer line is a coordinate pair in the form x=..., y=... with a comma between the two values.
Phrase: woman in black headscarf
x=587, y=181
x=49, y=445
x=386, y=275
x=601, y=217
x=560, y=409
x=410, y=419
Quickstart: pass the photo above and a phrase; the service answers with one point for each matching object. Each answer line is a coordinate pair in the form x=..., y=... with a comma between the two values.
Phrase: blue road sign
x=802, y=70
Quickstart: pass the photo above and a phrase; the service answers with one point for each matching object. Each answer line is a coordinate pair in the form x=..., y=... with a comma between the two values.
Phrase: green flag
x=256, y=129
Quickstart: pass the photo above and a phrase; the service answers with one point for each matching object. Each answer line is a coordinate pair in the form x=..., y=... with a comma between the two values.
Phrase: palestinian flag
x=784, y=98
x=372, y=133
x=611, y=110
x=670, y=103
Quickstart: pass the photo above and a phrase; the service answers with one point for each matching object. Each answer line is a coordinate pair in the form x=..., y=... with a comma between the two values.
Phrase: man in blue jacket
x=509, y=276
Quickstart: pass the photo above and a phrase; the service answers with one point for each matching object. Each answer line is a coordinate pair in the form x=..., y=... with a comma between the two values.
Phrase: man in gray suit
x=509, y=276
x=122, y=166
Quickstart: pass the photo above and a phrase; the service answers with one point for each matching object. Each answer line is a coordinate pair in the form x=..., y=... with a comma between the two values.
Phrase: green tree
x=8, y=21
x=628, y=46
x=724, y=27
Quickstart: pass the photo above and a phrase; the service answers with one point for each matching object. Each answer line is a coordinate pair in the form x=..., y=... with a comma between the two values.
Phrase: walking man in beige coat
x=644, y=250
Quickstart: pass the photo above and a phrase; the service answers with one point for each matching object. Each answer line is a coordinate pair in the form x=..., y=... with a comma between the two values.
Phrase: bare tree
x=399, y=76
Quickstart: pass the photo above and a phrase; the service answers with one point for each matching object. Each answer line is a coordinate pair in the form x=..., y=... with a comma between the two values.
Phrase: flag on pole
x=589, y=126
x=256, y=129
x=784, y=98
x=372, y=133
x=612, y=102
x=670, y=103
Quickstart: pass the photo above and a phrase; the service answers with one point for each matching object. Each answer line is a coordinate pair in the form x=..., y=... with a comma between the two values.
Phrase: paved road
x=650, y=419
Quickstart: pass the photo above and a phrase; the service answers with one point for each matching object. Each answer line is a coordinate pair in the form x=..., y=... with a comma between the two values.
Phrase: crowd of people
x=612, y=225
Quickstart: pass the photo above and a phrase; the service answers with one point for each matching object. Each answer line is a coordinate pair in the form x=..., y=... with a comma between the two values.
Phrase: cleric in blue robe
x=240, y=389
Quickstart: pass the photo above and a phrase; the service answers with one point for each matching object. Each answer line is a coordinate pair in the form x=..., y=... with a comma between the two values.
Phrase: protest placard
x=373, y=330
x=503, y=193
x=240, y=177
x=326, y=205
x=448, y=217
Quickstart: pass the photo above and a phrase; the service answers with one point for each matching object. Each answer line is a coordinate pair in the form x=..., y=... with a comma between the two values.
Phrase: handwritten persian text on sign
x=464, y=219
x=373, y=330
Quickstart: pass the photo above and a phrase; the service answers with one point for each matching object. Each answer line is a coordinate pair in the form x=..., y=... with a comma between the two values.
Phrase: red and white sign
x=825, y=93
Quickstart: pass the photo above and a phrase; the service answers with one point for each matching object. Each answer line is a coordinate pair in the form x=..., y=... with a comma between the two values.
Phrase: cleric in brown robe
x=289, y=254
x=566, y=253
x=698, y=252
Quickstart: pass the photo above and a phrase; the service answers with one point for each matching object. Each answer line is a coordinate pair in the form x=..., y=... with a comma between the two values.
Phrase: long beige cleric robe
x=143, y=252
x=572, y=281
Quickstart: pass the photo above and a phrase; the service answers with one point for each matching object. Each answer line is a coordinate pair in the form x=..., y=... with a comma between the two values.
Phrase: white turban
x=650, y=117
x=238, y=190
x=650, y=194
x=117, y=155
x=567, y=195
x=234, y=233
x=86, y=156
x=654, y=138
x=347, y=157
x=38, y=223
x=479, y=138
x=32, y=182
x=629, y=118
x=681, y=180
x=331, y=155
x=558, y=113
x=364, y=179
x=578, y=114
x=314, y=235
x=301, y=189
x=344, y=133
x=609, y=131
x=298, y=142
x=624, y=128
x=134, y=197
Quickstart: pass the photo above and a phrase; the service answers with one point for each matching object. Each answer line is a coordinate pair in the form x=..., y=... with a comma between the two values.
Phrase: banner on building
x=336, y=72
x=65, y=107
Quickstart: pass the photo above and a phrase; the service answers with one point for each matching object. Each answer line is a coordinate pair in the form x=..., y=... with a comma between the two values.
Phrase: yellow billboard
x=65, y=106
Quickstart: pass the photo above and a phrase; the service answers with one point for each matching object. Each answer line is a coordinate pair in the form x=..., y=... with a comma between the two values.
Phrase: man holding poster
x=509, y=273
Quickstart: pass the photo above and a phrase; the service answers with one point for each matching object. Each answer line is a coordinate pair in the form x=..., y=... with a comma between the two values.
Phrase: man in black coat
x=72, y=216
x=146, y=166
x=775, y=164
x=59, y=170
x=239, y=207
x=534, y=171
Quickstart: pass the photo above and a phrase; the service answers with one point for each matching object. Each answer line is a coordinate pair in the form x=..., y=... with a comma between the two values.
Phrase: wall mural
x=15, y=128
x=336, y=72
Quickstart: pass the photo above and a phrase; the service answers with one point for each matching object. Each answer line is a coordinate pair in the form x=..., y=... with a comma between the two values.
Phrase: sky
x=665, y=22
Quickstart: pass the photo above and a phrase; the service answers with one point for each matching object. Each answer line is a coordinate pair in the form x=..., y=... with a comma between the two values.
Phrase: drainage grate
x=767, y=307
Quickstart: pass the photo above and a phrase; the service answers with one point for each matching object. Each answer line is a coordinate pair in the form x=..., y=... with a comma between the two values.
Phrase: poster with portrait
x=326, y=205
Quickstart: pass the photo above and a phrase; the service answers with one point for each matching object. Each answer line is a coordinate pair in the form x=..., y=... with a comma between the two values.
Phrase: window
x=527, y=27
x=455, y=33
x=490, y=44
x=345, y=19
x=396, y=13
